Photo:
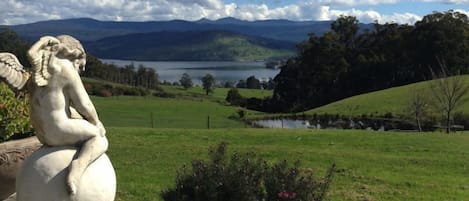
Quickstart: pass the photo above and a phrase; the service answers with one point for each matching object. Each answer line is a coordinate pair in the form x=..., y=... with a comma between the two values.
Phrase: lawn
x=156, y=112
x=189, y=109
x=370, y=165
x=218, y=93
x=393, y=100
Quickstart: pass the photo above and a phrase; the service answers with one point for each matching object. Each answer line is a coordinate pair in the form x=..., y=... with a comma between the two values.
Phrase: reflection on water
x=222, y=70
x=283, y=123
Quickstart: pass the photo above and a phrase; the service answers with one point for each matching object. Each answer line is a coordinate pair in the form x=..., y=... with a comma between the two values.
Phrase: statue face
x=79, y=64
x=76, y=58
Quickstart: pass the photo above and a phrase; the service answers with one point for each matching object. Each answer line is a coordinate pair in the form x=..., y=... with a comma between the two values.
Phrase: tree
x=345, y=61
x=186, y=81
x=347, y=28
x=234, y=97
x=448, y=94
x=208, y=83
x=443, y=35
x=241, y=84
x=418, y=107
x=253, y=83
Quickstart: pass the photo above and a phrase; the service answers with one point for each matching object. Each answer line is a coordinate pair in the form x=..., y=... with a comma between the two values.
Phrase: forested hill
x=190, y=46
x=86, y=29
x=343, y=63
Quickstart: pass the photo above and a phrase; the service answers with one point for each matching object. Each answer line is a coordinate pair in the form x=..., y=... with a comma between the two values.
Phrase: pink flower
x=286, y=195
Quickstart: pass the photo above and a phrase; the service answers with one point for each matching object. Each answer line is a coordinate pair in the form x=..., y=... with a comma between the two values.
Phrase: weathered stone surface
x=11, y=198
x=43, y=175
x=12, y=155
x=72, y=164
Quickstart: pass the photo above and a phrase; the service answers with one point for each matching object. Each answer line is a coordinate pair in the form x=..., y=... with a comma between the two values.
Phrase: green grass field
x=191, y=109
x=164, y=113
x=394, y=100
x=370, y=165
x=218, y=94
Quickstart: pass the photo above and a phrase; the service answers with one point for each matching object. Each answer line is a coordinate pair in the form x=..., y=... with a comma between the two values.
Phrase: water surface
x=223, y=71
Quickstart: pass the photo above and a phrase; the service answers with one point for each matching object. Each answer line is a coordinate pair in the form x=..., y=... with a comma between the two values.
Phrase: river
x=223, y=71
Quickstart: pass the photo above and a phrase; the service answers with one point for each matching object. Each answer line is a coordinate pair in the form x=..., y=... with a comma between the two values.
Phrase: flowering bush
x=245, y=177
x=14, y=113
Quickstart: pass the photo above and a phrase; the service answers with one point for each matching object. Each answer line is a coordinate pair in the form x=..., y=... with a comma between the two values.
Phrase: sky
x=404, y=12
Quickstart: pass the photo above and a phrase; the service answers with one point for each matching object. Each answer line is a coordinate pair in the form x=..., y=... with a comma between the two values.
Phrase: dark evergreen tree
x=186, y=81
x=253, y=83
x=345, y=62
x=208, y=83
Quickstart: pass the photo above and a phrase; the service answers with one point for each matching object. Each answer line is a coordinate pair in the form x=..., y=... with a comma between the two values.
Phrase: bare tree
x=418, y=107
x=448, y=93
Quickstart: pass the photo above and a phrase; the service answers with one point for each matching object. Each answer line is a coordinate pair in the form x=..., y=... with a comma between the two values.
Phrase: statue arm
x=82, y=102
x=82, y=105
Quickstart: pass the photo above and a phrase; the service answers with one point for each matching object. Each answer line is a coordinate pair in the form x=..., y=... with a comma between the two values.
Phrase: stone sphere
x=42, y=177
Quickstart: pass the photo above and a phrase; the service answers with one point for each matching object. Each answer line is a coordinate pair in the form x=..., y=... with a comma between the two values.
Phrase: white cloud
x=357, y=2
x=370, y=16
x=26, y=11
x=448, y=1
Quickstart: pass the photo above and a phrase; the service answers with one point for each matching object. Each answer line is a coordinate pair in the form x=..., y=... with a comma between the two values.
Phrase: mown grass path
x=371, y=165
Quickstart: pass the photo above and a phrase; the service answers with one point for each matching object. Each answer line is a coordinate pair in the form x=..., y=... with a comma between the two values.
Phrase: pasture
x=394, y=100
x=370, y=165
x=190, y=109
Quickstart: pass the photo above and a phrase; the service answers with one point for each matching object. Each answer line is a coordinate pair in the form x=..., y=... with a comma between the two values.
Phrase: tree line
x=347, y=61
x=140, y=76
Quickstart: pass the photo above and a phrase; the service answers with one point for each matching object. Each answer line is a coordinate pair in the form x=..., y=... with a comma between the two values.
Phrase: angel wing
x=12, y=71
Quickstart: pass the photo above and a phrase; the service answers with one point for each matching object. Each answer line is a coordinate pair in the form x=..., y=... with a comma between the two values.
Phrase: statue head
x=51, y=55
x=71, y=49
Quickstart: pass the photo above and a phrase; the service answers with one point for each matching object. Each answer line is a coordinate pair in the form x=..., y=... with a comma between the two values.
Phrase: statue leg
x=93, y=144
x=90, y=150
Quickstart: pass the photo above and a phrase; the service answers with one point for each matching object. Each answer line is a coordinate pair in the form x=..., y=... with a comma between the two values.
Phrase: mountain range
x=213, y=45
x=223, y=39
x=86, y=29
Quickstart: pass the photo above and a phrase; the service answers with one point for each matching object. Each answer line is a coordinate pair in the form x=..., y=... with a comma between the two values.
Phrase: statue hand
x=102, y=130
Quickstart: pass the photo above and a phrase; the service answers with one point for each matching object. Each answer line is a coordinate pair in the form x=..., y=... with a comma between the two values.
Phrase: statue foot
x=71, y=186
x=74, y=175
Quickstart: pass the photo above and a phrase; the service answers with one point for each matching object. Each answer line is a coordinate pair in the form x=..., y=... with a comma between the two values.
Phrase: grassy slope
x=395, y=100
x=189, y=110
x=371, y=165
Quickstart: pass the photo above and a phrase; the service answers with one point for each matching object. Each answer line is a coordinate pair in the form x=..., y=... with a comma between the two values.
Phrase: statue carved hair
x=70, y=47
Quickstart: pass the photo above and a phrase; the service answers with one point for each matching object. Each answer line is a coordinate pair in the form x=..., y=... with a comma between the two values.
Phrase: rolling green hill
x=394, y=100
x=190, y=46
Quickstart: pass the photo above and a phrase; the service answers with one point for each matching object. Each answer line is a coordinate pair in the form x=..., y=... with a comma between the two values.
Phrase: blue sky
x=400, y=11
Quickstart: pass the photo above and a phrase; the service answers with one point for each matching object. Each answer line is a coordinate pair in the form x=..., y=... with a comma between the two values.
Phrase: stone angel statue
x=61, y=111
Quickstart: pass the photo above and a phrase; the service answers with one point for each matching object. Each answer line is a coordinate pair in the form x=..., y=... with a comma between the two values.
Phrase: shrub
x=245, y=177
x=461, y=119
x=14, y=113
x=164, y=94
x=234, y=97
x=241, y=113
x=105, y=93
